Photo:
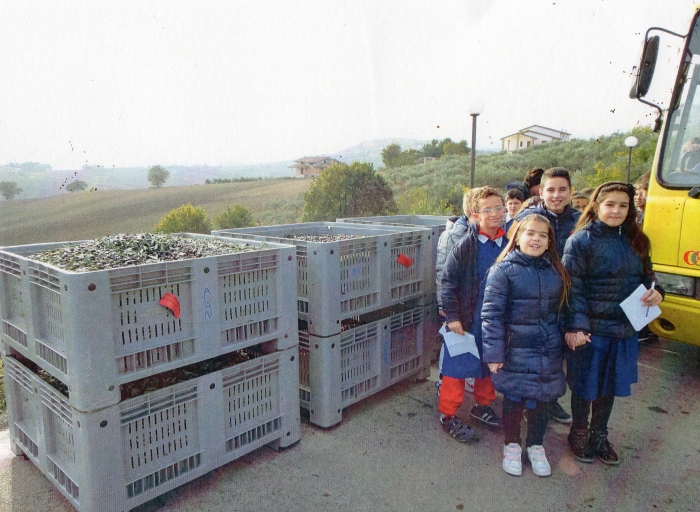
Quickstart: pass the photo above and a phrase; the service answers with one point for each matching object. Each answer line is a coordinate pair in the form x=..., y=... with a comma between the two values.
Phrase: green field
x=86, y=215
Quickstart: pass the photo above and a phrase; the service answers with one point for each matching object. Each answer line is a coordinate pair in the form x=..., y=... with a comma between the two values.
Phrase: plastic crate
x=97, y=330
x=338, y=371
x=117, y=458
x=338, y=280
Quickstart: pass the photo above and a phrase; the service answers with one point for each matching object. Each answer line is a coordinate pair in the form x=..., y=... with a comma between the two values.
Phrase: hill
x=86, y=215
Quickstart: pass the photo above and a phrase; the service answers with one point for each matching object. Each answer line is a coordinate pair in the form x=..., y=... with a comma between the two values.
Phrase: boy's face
x=556, y=193
x=579, y=203
x=491, y=213
x=513, y=206
x=640, y=198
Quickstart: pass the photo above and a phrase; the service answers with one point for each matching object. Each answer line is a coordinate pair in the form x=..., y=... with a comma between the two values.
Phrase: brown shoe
x=580, y=445
x=603, y=449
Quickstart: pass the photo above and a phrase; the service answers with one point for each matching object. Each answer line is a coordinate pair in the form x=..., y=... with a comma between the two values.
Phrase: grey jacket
x=455, y=229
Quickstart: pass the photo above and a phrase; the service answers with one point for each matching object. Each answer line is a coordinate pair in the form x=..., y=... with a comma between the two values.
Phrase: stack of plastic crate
x=360, y=303
x=437, y=225
x=118, y=399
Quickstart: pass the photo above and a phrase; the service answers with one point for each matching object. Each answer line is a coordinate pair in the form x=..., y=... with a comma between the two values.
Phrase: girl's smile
x=614, y=208
x=534, y=239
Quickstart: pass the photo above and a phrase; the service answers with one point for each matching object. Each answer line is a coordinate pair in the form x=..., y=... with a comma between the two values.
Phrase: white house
x=534, y=134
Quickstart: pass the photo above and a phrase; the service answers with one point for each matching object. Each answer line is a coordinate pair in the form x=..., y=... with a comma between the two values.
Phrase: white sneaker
x=512, y=459
x=540, y=465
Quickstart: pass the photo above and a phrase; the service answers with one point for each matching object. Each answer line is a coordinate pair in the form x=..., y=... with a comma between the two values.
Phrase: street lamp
x=630, y=142
x=474, y=111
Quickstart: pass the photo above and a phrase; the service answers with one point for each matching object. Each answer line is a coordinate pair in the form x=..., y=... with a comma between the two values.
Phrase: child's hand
x=494, y=367
x=442, y=313
x=576, y=339
x=651, y=298
x=456, y=327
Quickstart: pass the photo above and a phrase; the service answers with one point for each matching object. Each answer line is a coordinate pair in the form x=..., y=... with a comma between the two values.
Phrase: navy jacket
x=604, y=270
x=460, y=288
x=562, y=223
x=520, y=327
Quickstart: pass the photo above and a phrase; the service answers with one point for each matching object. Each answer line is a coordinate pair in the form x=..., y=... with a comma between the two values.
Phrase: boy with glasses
x=463, y=282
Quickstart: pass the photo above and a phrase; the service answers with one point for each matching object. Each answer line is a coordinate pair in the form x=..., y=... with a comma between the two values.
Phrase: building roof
x=540, y=126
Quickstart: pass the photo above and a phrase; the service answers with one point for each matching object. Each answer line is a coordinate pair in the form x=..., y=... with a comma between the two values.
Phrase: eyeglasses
x=489, y=211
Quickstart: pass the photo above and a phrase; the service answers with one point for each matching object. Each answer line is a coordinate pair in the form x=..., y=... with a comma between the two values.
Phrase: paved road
x=389, y=454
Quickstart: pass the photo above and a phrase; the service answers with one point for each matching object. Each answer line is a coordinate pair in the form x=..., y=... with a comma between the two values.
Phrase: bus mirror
x=650, y=52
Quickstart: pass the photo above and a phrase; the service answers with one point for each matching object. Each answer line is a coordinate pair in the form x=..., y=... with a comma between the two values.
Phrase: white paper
x=458, y=344
x=638, y=314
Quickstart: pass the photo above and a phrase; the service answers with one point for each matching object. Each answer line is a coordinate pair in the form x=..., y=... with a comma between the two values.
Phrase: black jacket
x=604, y=270
x=562, y=223
x=520, y=327
x=460, y=288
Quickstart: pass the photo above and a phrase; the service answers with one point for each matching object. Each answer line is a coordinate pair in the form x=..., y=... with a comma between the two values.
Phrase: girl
x=607, y=257
x=523, y=346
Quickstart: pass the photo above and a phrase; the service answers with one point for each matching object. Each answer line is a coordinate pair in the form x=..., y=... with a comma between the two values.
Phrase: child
x=607, y=258
x=555, y=189
x=640, y=196
x=579, y=201
x=522, y=342
x=514, y=200
x=455, y=229
x=463, y=282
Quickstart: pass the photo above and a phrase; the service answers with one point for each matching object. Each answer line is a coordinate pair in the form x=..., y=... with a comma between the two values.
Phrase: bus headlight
x=677, y=285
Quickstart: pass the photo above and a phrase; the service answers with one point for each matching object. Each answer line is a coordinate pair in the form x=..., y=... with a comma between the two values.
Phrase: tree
x=348, y=191
x=76, y=186
x=185, y=219
x=158, y=175
x=391, y=154
x=9, y=189
x=455, y=148
x=236, y=216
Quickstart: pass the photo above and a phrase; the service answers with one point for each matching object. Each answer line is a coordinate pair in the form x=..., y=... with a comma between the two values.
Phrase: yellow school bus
x=672, y=216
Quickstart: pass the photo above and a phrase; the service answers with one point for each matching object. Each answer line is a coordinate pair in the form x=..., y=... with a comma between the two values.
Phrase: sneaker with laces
x=512, y=459
x=485, y=413
x=461, y=432
x=558, y=414
x=603, y=449
x=538, y=459
x=580, y=445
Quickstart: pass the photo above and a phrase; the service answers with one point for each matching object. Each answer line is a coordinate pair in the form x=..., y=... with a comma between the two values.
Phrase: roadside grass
x=3, y=404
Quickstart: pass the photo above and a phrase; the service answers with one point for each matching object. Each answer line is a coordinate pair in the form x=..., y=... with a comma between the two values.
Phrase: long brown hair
x=636, y=238
x=514, y=243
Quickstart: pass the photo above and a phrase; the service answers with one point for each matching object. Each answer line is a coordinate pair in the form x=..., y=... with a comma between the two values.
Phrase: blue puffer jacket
x=520, y=327
x=562, y=223
x=604, y=270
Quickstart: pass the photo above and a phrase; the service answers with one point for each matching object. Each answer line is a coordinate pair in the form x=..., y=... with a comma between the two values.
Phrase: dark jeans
x=599, y=410
x=537, y=419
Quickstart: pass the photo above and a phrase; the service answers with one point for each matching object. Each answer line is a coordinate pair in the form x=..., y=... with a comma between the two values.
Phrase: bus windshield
x=681, y=155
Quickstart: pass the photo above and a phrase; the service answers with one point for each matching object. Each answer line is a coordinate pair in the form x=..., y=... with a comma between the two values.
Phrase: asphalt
x=389, y=454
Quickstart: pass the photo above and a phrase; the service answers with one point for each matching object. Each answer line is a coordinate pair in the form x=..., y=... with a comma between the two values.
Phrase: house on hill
x=534, y=134
x=313, y=165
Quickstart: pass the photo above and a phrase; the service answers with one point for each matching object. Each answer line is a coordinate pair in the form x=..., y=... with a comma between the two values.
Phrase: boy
x=555, y=190
x=641, y=187
x=579, y=201
x=514, y=200
x=463, y=282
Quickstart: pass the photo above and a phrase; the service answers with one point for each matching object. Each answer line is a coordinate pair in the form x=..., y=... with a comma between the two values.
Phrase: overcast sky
x=172, y=82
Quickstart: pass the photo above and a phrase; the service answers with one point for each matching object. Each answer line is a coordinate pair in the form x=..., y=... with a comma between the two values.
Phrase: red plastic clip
x=171, y=302
x=404, y=260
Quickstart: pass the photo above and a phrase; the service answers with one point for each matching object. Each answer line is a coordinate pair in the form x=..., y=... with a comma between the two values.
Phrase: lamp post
x=630, y=142
x=474, y=112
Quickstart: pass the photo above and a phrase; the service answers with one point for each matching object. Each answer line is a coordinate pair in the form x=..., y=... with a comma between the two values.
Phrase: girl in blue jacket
x=607, y=258
x=523, y=346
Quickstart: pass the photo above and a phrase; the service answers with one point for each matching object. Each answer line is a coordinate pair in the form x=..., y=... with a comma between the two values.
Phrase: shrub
x=236, y=216
x=185, y=219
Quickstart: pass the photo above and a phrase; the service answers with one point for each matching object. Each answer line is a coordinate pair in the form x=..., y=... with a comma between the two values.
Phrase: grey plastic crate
x=97, y=330
x=117, y=458
x=337, y=280
x=338, y=371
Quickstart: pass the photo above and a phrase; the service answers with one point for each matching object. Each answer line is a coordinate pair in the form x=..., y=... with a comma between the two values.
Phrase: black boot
x=580, y=446
x=603, y=449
